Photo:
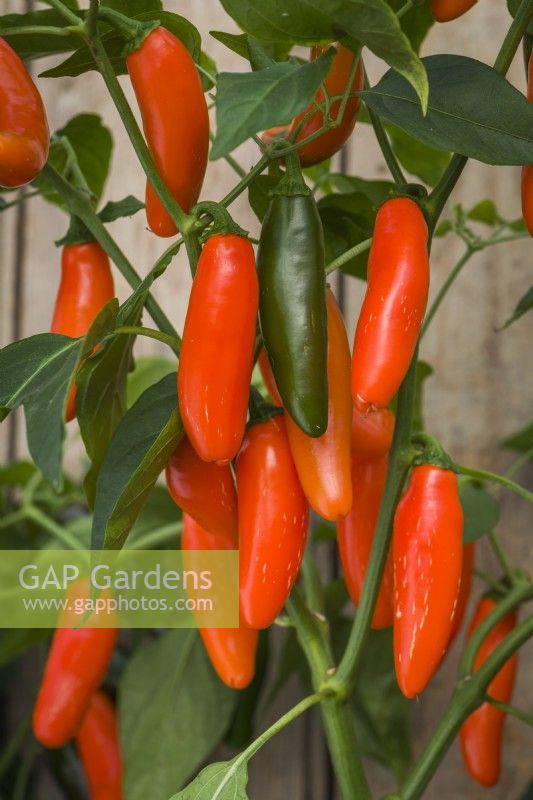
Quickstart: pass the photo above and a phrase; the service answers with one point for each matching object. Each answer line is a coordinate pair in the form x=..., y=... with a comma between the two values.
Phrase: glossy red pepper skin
x=216, y=359
x=469, y=557
x=323, y=463
x=355, y=535
x=98, y=745
x=481, y=734
x=76, y=665
x=427, y=552
x=394, y=305
x=175, y=120
x=330, y=142
x=447, y=10
x=372, y=432
x=24, y=135
x=231, y=650
x=204, y=490
x=86, y=286
x=268, y=378
x=273, y=520
x=527, y=170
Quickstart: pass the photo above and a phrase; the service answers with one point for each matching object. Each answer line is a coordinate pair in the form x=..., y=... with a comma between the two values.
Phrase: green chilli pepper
x=292, y=301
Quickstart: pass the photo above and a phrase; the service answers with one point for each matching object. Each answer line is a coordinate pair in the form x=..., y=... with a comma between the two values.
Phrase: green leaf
x=485, y=211
x=459, y=117
x=416, y=23
x=36, y=45
x=227, y=780
x=418, y=159
x=17, y=474
x=92, y=143
x=371, y=22
x=520, y=442
x=82, y=61
x=480, y=508
x=138, y=452
x=208, y=64
x=117, y=209
x=173, y=711
x=240, y=43
x=252, y=101
x=524, y=304
x=259, y=194
x=147, y=370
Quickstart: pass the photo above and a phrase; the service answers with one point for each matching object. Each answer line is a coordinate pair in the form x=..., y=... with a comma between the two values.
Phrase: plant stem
x=174, y=342
x=443, y=291
x=467, y=697
x=162, y=535
x=517, y=465
x=501, y=555
x=261, y=165
x=12, y=519
x=485, y=475
x=404, y=9
x=362, y=247
x=312, y=585
x=43, y=30
x=79, y=205
x=512, y=710
x=384, y=144
x=516, y=596
x=65, y=12
x=399, y=461
x=57, y=531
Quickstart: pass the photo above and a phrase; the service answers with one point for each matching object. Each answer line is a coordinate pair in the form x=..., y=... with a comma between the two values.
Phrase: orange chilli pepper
x=76, y=665
x=527, y=170
x=86, y=286
x=446, y=10
x=355, y=535
x=481, y=734
x=24, y=135
x=231, y=650
x=98, y=745
x=394, y=305
x=204, y=490
x=372, y=432
x=427, y=550
x=273, y=520
x=175, y=120
x=323, y=463
x=216, y=359
x=331, y=141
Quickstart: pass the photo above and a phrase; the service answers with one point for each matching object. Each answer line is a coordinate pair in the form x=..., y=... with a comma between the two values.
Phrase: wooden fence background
x=481, y=390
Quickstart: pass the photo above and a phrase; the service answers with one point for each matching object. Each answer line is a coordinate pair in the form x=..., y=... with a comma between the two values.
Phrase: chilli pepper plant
x=279, y=438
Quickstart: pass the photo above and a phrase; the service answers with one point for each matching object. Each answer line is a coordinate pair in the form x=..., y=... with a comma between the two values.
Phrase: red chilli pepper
x=216, y=360
x=331, y=141
x=394, y=304
x=77, y=663
x=427, y=553
x=24, y=135
x=446, y=10
x=469, y=557
x=372, y=432
x=273, y=520
x=481, y=734
x=355, y=535
x=175, y=120
x=527, y=170
x=98, y=746
x=231, y=650
x=323, y=463
x=86, y=286
x=203, y=490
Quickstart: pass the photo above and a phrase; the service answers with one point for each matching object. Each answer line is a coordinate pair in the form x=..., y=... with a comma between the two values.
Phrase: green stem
x=469, y=694
x=41, y=30
x=230, y=160
x=184, y=222
x=385, y=147
x=57, y=531
x=12, y=519
x=162, y=535
x=441, y=294
x=362, y=247
x=516, y=596
x=438, y=198
x=523, y=716
x=501, y=555
x=174, y=342
x=399, y=461
x=404, y=9
x=65, y=12
x=79, y=205
x=312, y=584
x=237, y=190
x=485, y=475
x=518, y=463
x=497, y=586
